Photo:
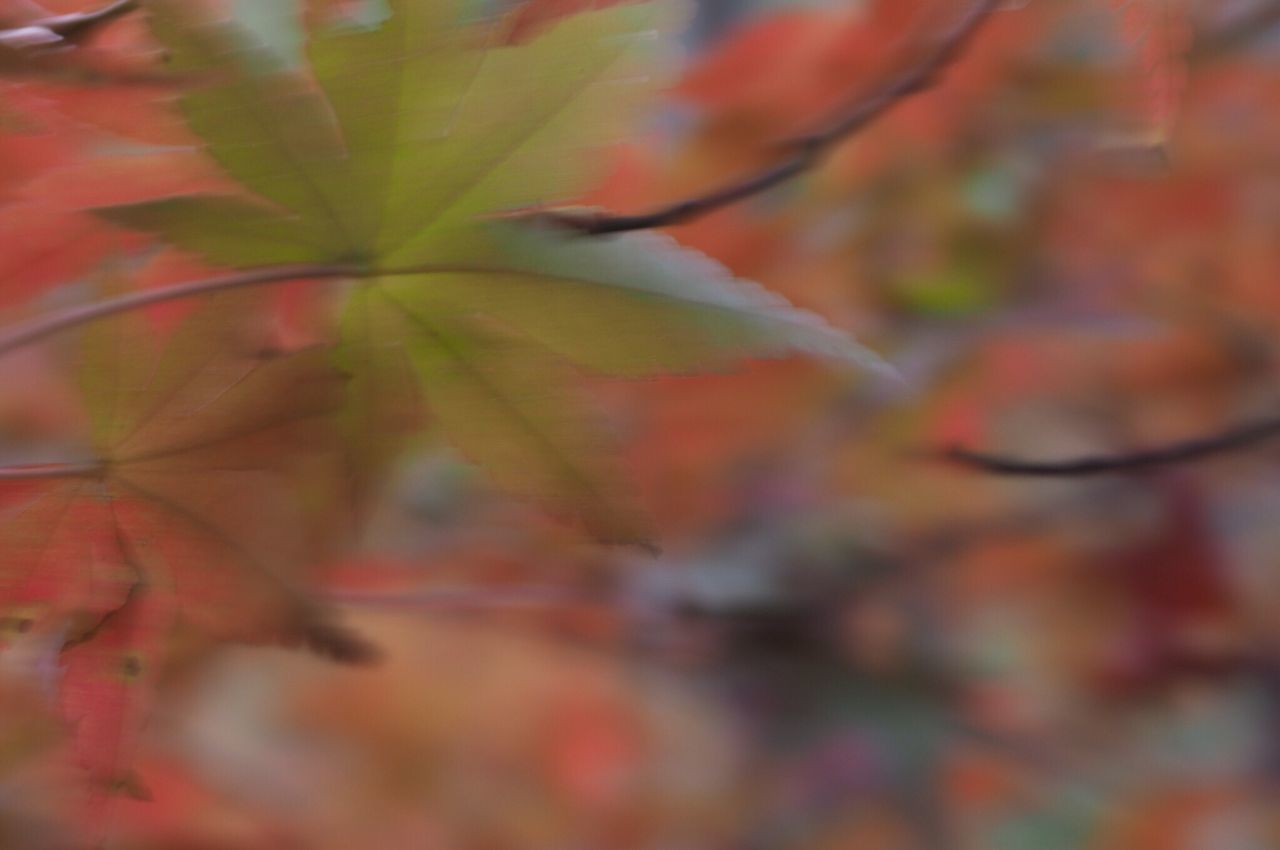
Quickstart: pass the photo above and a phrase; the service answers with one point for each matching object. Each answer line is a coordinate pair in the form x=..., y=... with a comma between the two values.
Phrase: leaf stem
x=807, y=151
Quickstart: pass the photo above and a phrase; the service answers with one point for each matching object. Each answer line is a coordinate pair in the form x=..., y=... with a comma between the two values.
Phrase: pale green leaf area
x=395, y=150
x=514, y=409
x=405, y=131
x=275, y=24
x=632, y=305
x=384, y=400
x=492, y=335
x=510, y=406
x=221, y=226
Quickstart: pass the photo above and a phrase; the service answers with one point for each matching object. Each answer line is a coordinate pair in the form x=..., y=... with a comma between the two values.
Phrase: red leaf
x=49, y=240
x=195, y=508
x=793, y=66
x=45, y=246
x=61, y=555
x=26, y=151
x=107, y=685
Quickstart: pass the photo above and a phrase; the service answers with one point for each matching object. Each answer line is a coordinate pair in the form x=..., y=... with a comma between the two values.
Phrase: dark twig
x=80, y=24
x=23, y=333
x=1236, y=33
x=1189, y=450
x=330, y=639
x=806, y=151
x=105, y=619
x=33, y=471
x=40, y=327
x=468, y=598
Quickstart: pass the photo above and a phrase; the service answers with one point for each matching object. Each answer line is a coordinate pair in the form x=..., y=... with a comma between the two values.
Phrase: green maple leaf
x=408, y=132
x=392, y=152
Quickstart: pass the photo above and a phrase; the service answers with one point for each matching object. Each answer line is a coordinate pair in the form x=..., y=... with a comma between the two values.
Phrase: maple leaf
x=198, y=461
x=200, y=495
x=210, y=455
x=413, y=132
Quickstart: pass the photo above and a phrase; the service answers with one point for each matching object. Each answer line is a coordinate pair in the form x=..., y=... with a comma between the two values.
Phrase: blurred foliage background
x=843, y=643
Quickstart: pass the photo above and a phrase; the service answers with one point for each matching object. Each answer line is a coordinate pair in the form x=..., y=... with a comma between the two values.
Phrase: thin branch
x=81, y=24
x=27, y=332
x=1183, y=452
x=33, y=330
x=335, y=641
x=465, y=598
x=807, y=151
x=33, y=471
x=1239, y=32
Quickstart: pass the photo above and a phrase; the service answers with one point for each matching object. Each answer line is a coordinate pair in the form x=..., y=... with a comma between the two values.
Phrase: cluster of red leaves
x=1126, y=611
x=55, y=121
x=192, y=505
x=199, y=464
x=1061, y=298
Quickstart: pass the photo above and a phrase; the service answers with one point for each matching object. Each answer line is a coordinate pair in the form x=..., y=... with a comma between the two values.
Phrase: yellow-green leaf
x=514, y=409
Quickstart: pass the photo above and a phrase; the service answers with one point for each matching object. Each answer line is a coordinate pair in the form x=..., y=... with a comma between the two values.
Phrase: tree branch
x=33, y=330
x=81, y=24
x=1241, y=437
x=466, y=598
x=33, y=471
x=1236, y=33
x=40, y=327
x=807, y=151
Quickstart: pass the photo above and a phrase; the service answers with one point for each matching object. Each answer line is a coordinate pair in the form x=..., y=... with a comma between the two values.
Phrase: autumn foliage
x=427, y=423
